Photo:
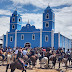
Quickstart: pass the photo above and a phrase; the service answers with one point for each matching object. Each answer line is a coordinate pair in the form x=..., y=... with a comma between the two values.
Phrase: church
x=29, y=36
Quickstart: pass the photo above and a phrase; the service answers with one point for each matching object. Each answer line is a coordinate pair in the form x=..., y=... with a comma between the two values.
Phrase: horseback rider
x=18, y=60
x=48, y=55
x=42, y=54
x=24, y=51
x=19, y=56
x=54, y=60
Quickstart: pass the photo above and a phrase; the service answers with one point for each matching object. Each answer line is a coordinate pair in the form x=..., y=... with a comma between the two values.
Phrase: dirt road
x=3, y=68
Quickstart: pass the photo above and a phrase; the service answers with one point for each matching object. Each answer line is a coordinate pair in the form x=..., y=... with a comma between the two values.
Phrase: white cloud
x=63, y=21
x=43, y=3
x=36, y=18
x=5, y=12
x=4, y=21
x=4, y=25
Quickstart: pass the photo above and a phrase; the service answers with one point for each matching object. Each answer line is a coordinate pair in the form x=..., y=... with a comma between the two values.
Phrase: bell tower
x=15, y=21
x=48, y=19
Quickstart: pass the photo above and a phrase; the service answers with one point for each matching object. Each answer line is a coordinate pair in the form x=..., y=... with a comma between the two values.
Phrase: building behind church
x=29, y=36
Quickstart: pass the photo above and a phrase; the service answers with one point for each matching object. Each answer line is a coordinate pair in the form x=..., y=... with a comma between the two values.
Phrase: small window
x=33, y=36
x=46, y=38
x=47, y=24
x=13, y=19
x=11, y=38
x=19, y=20
x=13, y=26
x=22, y=37
x=47, y=16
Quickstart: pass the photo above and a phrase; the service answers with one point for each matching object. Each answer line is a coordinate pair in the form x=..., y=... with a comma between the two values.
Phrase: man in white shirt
x=24, y=51
x=68, y=52
x=16, y=51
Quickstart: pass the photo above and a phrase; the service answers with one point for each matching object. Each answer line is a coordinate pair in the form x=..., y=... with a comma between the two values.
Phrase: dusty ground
x=3, y=68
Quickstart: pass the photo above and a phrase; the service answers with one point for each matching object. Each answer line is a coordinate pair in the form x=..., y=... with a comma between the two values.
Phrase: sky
x=32, y=10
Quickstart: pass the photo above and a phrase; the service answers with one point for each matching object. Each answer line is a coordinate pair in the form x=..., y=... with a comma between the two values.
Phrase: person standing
x=48, y=55
x=54, y=60
x=68, y=55
x=24, y=51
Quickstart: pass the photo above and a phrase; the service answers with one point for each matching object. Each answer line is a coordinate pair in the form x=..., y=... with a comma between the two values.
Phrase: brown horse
x=17, y=65
x=34, y=59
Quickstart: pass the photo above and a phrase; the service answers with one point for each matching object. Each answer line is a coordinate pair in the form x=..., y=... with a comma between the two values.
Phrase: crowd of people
x=41, y=52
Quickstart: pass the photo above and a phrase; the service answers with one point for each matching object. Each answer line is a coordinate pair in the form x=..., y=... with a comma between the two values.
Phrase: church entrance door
x=27, y=45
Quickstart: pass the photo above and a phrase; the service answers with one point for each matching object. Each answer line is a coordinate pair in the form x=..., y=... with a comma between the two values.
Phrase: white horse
x=44, y=62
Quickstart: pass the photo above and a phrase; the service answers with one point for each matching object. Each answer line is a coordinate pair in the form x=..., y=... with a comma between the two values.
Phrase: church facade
x=29, y=36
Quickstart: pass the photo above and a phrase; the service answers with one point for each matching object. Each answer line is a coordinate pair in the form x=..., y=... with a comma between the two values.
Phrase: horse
x=17, y=65
x=34, y=58
x=62, y=60
x=44, y=62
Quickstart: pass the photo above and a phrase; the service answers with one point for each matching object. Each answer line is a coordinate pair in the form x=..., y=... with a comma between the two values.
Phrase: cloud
x=4, y=25
x=35, y=18
x=43, y=3
x=63, y=16
x=63, y=22
x=4, y=21
x=5, y=12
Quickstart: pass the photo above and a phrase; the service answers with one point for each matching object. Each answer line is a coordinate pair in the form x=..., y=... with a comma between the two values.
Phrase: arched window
x=28, y=45
x=47, y=24
x=47, y=16
x=19, y=20
x=46, y=38
x=33, y=36
x=11, y=38
x=13, y=26
x=22, y=37
x=13, y=19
